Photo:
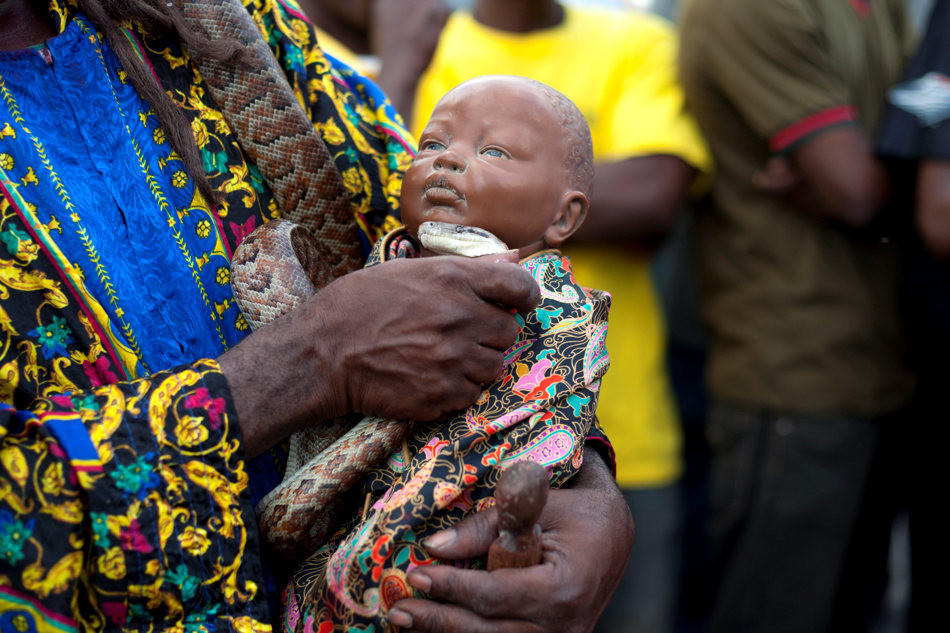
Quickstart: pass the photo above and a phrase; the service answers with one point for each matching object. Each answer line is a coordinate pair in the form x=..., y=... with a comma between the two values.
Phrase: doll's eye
x=431, y=145
x=495, y=152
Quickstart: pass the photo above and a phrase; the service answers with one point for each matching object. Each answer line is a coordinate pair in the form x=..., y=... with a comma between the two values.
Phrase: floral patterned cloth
x=123, y=487
x=540, y=409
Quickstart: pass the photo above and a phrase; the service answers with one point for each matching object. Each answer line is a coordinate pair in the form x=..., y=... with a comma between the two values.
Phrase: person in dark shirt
x=915, y=141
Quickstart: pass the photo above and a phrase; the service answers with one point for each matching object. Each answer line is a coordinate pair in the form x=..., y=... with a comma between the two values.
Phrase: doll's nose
x=451, y=161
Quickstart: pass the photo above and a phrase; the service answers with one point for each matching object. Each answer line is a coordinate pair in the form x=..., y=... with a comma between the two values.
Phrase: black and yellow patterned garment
x=124, y=497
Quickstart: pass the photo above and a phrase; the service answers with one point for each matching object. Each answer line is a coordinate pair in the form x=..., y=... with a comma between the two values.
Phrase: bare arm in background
x=845, y=180
x=833, y=176
x=635, y=201
x=404, y=34
x=933, y=206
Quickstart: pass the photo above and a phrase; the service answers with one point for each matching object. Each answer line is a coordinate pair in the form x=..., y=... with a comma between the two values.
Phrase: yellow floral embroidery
x=223, y=276
x=353, y=180
x=67, y=511
x=191, y=431
x=200, y=131
x=194, y=540
x=15, y=463
x=112, y=564
x=203, y=229
x=301, y=32
x=60, y=576
x=331, y=132
x=52, y=481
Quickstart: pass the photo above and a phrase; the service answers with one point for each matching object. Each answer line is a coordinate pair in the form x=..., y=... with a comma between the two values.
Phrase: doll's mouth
x=441, y=191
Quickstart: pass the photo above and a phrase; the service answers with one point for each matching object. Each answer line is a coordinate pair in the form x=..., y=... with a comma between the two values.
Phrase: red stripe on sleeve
x=809, y=125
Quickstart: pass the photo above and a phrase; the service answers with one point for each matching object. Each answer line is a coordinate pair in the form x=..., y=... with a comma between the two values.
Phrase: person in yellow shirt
x=619, y=67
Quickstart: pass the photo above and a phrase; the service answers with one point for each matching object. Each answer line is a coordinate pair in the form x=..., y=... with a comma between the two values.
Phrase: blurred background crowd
x=771, y=213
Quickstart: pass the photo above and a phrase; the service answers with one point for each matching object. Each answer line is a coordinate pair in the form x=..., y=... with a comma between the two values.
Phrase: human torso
x=93, y=185
x=804, y=314
x=916, y=129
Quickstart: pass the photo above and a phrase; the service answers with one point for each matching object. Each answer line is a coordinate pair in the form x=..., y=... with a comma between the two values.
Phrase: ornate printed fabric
x=123, y=488
x=541, y=409
x=120, y=507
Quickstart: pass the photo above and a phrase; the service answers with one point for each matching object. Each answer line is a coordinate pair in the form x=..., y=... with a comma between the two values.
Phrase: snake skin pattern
x=275, y=131
x=285, y=261
x=275, y=269
x=301, y=513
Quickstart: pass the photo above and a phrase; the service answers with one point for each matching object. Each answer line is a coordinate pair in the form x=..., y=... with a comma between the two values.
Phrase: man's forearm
x=595, y=473
x=844, y=181
x=273, y=391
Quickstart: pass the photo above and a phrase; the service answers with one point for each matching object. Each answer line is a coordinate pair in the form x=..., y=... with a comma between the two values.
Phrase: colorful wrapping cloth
x=541, y=408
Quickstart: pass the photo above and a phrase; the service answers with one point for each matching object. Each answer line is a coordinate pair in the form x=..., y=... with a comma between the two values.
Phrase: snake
x=286, y=261
x=281, y=263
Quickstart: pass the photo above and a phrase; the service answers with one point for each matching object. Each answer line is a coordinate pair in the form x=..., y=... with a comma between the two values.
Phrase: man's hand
x=407, y=339
x=587, y=537
x=416, y=339
x=778, y=177
x=404, y=34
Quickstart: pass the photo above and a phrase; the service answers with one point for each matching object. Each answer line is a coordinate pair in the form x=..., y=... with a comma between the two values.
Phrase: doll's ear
x=569, y=217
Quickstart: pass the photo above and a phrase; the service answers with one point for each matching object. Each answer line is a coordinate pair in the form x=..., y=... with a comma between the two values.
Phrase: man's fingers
x=504, y=284
x=431, y=617
x=484, y=364
x=470, y=538
x=499, y=330
x=497, y=594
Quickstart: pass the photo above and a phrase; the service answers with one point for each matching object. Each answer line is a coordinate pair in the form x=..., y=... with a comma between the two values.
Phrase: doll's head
x=507, y=154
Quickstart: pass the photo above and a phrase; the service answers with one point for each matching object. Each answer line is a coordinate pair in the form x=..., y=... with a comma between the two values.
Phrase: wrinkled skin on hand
x=587, y=537
x=408, y=339
x=430, y=336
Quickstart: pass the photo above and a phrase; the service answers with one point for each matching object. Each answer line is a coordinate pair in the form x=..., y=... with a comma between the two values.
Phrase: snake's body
x=284, y=262
x=280, y=138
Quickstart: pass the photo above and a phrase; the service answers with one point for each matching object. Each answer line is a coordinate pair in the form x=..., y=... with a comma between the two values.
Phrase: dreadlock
x=157, y=18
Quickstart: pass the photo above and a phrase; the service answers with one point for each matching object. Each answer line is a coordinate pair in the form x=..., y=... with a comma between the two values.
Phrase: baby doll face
x=491, y=156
